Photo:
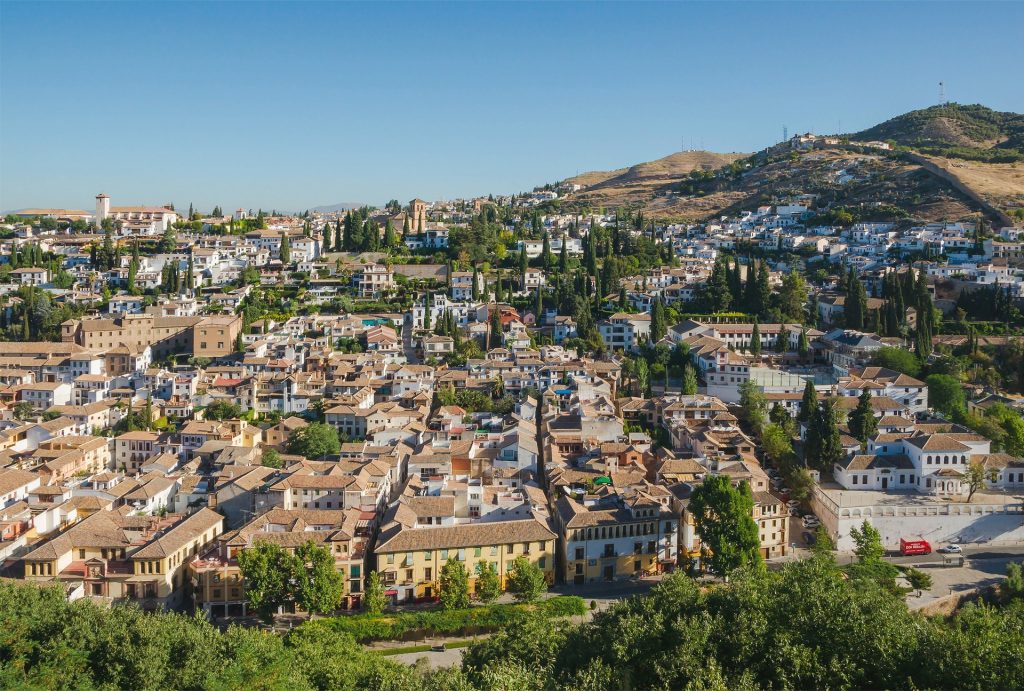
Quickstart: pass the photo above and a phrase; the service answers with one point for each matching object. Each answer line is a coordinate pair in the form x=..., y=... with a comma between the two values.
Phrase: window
x=509, y=549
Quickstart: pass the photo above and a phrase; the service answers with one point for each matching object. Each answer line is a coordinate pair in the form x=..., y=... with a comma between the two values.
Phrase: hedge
x=473, y=620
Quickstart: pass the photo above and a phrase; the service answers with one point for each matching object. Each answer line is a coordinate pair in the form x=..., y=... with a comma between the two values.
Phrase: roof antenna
x=942, y=93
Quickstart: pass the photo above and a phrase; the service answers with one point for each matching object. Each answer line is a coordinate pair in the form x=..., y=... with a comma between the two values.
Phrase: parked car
x=794, y=512
x=811, y=522
x=951, y=549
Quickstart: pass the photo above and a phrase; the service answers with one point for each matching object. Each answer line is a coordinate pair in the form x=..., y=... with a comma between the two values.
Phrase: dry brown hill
x=677, y=165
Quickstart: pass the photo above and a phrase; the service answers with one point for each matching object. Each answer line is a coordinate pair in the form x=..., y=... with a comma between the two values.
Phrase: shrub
x=365, y=627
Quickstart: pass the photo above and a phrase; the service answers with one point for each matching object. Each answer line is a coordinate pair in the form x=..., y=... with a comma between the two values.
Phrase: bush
x=365, y=627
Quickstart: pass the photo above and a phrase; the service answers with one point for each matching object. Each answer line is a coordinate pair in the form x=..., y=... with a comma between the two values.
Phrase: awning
x=392, y=591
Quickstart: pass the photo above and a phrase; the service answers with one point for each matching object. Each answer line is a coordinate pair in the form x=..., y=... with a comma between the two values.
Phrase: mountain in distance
x=950, y=162
x=340, y=206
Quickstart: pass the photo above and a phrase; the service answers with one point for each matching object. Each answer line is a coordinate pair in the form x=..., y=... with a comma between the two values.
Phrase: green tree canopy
x=454, y=585
x=315, y=440
x=724, y=520
x=526, y=580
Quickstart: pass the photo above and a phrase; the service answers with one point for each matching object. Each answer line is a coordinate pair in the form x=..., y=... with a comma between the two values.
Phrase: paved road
x=449, y=658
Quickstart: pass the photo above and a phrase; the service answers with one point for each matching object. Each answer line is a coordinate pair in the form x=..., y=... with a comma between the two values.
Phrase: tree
x=168, y=243
x=724, y=520
x=775, y=443
x=803, y=345
x=792, y=298
x=897, y=359
x=946, y=394
x=495, y=341
x=855, y=307
x=286, y=249
x=868, y=543
x=755, y=340
x=454, y=585
x=222, y=410
x=268, y=571
x=658, y=326
x=526, y=580
x=23, y=410
x=271, y=458
x=374, y=599
x=809, y=402
x=1013, y=586
x=862, y=421
x=975, y=477
x=689, y=380
x=823, y=445
x=754, y=404
x=315, y=440
x=488, y=584
x=823, y=544
x=390, y=237
x=147, y=414
x=318, y=585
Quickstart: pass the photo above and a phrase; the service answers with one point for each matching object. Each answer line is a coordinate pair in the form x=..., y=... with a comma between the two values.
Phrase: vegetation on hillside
x=959, y=131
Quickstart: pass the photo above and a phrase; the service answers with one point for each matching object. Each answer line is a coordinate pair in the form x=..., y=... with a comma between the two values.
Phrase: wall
x=938, y=522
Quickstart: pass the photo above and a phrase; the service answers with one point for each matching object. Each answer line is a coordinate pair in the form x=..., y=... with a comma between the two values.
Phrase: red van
x=910, y=546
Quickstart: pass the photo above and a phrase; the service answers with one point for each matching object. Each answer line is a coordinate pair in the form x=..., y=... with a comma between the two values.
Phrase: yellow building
x=116, y=557
x=410, y=559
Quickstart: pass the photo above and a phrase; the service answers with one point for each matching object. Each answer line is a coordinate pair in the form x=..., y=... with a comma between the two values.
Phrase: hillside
x=677, y=165
x=962, y=131
x=954, y=161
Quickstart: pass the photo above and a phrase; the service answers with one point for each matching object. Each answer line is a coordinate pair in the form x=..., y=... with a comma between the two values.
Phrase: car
x=810, y=539
x=792, y=502
x=438, y=648
x=794, y=512
x=810, y=521
x=951, y=549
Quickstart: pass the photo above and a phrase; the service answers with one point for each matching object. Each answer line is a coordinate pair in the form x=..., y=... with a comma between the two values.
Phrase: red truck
x=910, y=546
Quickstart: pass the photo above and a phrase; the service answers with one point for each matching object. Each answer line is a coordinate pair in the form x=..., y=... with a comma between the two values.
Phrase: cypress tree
x=782, y=340
x=735, y=281
x=658, y=326
x=286, y=249
x=862, y=422
x=547, y=259
x=327, y=237
x=755, y=340
x=764, y=289
x=809, y=402
x=495, y=327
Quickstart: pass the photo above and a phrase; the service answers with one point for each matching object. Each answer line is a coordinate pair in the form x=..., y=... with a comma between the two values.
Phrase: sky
x=291, y=105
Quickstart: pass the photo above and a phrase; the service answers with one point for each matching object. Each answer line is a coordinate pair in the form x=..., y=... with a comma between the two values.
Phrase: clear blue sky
x=292, y=105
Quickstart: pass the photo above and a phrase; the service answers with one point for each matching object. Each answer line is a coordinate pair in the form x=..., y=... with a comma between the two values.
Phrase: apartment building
x=117, y=558
x=615, y=536
x=218, y=583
